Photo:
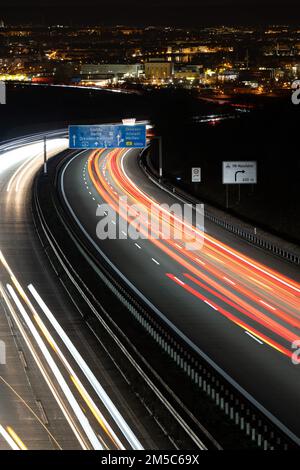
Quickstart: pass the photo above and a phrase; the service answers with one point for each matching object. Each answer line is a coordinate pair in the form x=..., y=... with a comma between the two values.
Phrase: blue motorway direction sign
x=107, y=136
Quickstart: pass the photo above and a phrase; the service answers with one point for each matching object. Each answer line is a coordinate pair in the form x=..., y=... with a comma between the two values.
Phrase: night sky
x=157, y=12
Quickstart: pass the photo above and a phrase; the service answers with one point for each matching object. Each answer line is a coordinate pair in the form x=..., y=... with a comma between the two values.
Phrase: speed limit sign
x=196, y=175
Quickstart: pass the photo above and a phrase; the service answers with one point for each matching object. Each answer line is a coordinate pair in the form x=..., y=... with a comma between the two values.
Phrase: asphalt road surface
x=230, y=300
x=58, y=389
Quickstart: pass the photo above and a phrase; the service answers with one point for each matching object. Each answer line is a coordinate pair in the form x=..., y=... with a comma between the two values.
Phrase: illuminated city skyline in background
x=149, y=229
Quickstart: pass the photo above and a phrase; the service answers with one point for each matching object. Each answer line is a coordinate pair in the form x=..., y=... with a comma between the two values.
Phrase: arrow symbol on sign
x=74, y=140
x=237, y=172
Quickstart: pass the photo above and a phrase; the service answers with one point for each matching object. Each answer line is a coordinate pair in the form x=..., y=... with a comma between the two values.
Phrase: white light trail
x=63, y=385
x=18, y=155
x=123, y=426
x=8, y=439
x=42, y=369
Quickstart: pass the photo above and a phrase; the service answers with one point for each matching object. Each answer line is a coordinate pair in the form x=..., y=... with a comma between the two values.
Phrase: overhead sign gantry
x=107, y=136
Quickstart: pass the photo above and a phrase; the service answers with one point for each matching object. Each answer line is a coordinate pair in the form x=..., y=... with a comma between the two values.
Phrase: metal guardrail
x=252, y=238
x=170, y=401
x=260, y=427
x=247, y=417
x=245, y=234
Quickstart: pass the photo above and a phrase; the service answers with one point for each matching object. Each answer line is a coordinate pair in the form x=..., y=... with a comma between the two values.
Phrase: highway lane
x=22, y=395
x=57, y=388
x=225, y=297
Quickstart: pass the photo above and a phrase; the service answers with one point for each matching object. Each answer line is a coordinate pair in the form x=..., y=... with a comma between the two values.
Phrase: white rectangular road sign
x=2, y=93
x=196, y=175
x=239, y=172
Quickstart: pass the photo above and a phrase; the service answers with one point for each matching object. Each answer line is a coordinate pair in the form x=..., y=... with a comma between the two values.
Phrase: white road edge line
x=253, y=337
x=212, y=306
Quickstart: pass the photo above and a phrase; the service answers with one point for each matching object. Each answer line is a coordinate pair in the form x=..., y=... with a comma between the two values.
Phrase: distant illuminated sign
x=196, y=175
x=129, y=121
x=239, y=172
x=107, y=136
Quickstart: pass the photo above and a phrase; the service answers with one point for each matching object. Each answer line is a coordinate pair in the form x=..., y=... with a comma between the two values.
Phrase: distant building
x=260, y=75
x=110, y=71
x=188, y=72
x=296, y=70
x=159, y=70
x=228, y=75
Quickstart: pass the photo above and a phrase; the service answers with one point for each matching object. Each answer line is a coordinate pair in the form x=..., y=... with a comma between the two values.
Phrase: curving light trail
x=262, y=301
x=67, y=388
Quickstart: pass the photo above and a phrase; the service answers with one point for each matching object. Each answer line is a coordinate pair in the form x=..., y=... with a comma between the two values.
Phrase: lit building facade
x=159, y=70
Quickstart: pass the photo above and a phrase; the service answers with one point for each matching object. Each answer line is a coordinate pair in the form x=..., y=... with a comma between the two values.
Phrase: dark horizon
x=192, y=13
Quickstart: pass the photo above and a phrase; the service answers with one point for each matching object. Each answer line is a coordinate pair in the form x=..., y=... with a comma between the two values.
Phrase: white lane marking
x=177, y=330
x=179, y=280
x=113, y=222
x=155, y=261
x=124, y=233
x=253, y=337
x=212, y=306
x=215, y=258
x=200, y=261
x=211, y=240
x=138, y=246
x=229, y=280
x=267, y=305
